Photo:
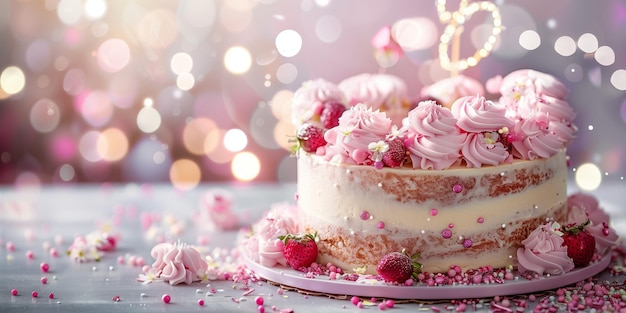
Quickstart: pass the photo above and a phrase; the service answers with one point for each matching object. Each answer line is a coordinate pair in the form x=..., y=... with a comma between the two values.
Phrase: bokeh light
x=181, y=63
x=195, y=133
x=12, y=80
x=185, y=174
x=328, y=28
x=530, y=40
x=95, y=9
x=235, y=140
x=588, y=177
x=237, y=60
x=113, y=55
x=88, y=146
x=288, y=43
x=96, y=108
x=588, y=42
x=112, y=145
x=415, y=33
x=67, y=172
x=148, y=119
x=618, y=79
x=565, y=46
x=605, y=56
x=245, y=166
x=45, y=116
x=69, y=11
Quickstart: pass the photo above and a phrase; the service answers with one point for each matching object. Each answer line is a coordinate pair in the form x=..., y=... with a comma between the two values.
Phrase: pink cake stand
x=321, y=284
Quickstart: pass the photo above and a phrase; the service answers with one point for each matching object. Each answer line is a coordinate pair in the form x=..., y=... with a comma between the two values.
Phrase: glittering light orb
x=605, y=56
x=328, y=28
x=288, y=43
x=38, y=55
x=88, y=147
x=113, y=55
x=45, y=116
x=95, y=9
x=181, y=63
x=235, y=140
x=618, y=79
x=67, y=172
x=245, y=166
x=185, y=174
x=415, y=33
x=588, y=177
x=565, y=46
x=112, y=144
x=287, y=73
x=195, y=132
x=148, y=119
x=69, y=11
x=529, y=40
x=588, y=42
x=185, y=81
x=12, y=80
x=96, y=108
x=237, y=60
x=62, y=147
x=74, y=81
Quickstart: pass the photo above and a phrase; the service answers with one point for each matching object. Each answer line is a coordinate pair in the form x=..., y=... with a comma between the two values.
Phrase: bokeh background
x=194, y=91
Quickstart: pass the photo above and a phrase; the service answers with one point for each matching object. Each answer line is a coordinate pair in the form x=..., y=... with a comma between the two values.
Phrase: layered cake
x=457, y=179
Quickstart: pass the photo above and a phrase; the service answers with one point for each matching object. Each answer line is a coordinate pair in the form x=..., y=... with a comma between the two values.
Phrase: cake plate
x=321, y=284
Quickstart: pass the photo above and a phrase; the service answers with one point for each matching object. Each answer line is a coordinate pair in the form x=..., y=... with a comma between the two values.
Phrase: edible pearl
x=457, y=188
x=467, y=243
x=446, y=233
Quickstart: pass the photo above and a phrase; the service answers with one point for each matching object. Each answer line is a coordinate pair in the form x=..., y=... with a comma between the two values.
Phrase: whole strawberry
x=331, y=112
x=580, y=244
x=299, y=251
x=310, y=137
x=398, y=267
x=395, y=156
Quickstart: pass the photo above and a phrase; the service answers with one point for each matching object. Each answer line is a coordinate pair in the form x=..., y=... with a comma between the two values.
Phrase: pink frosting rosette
x=482, y=119
x=308, y=100
x=358, y=127
x=216, y=210
x=178, y=263
x=382, y=92
x=279, y=221
x=534, y=139
x=543, y=252
x=582, y=207
x=433, y=139
x=447, y=90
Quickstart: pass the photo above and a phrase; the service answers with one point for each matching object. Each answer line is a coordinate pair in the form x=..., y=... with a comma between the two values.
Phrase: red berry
x=398, y=267
x=331, y=113
x=580, y=244
x=310, y=137
x=395, y=156
x=299, y=251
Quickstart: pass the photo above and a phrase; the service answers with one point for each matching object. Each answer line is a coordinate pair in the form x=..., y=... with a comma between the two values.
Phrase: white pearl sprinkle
x=335, y=185
x=502, y=174
x=535, y=206
x=460, y=237
x=352, y=232
x=510, y=256
x=428, y=219
x=503, y=226
x=380, y=184
x=423, y=232
x=348, y=171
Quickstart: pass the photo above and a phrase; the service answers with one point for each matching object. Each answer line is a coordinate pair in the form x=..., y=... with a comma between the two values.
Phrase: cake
x=455, y=179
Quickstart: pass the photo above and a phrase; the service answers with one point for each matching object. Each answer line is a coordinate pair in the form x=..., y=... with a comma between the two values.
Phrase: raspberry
x=310, y=137
x=331, y=113
x=395, y=156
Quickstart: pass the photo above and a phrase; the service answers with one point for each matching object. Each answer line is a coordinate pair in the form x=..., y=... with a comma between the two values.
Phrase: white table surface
x=32, y=217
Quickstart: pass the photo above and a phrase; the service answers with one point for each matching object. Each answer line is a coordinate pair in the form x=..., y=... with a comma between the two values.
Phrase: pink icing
x=477, y=114
x=434, y=141
x=483, y=149
x=383, y=92
x=446, y=91
x=279, y=221
x=544, y=253
x=581, y=207
x=358, y=127
x=308, y=100
x=215, y=210
x=178, y=263
x=535, y=140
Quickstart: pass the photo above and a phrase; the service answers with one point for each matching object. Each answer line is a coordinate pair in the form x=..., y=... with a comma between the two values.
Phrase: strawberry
x=331, y=113
x=398, y=267
x=299, y=251
x=580, y=244
x=395, y=156
x=310, y=137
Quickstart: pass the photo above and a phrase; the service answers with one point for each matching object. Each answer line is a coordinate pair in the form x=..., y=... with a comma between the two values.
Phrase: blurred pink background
x=195, y=91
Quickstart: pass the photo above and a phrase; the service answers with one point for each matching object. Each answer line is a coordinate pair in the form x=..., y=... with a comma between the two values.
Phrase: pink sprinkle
x=35, y=294
x=116, y=299
x=390, y=304
x=365, y=215
x=14, y=292
x=10, y=246
x=382, y=306
x=467, y=243
x=378, y=165
x=359, y=305
x=480, y=220
x=166, y=298
x=380, y=225
x=461, y=307
x=51, y=296
x=279, y=291
x=121, y=260
x=261, y=309
x=54, y=252
x=435, y=309
x=249, y=292
x=200, y=302
x=457, y=188
x=434, y=212
x=44, y=280
x=355, y=300
x=446, y=233
x=30, y=254
x=44, y=267
x=259, y=300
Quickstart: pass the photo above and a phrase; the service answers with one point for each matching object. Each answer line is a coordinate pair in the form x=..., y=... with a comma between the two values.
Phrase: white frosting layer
x=428, y=211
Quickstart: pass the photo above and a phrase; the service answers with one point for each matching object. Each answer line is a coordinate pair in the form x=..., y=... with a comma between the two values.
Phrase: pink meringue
x=477, y=114
x=308, y=100
x=447, y=90
x=543, y=252
x=178, y=263
x=582, y=207
x=484, y=149
x=216, y=210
